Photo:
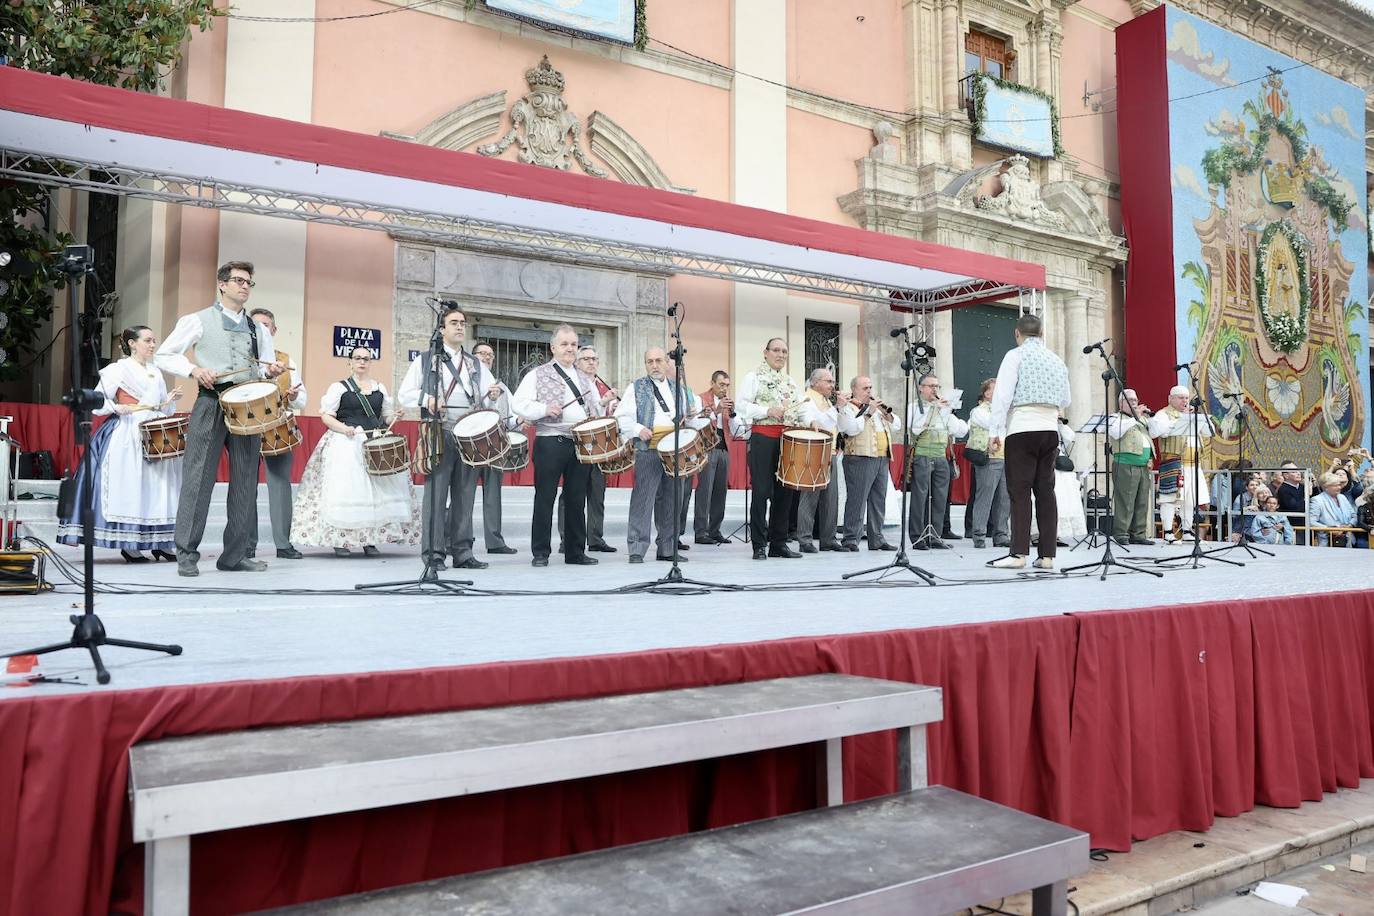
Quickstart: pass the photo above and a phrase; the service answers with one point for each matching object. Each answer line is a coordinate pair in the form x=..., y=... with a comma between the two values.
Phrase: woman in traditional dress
x=339, y=504
x=135, y=500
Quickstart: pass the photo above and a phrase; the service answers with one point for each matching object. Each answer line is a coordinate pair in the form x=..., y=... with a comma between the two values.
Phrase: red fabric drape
x=1124, y=723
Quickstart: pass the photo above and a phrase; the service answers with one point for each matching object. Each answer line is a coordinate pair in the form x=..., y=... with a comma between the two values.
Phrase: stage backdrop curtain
x=64, y=771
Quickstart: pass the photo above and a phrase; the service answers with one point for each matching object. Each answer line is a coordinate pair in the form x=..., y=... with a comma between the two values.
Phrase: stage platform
x=1129, y=708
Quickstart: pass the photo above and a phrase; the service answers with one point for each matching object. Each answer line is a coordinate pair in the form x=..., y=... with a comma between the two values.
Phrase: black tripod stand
x=666, y=584
x=1107, y=561
x=900, y=559
x=432, y=426
x=88, y=632
x=1197, y=554
x=1241, y=544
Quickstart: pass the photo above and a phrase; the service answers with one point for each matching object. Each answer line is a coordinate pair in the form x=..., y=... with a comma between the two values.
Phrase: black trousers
x=555, y=461
x=1030, y=469
x=773, y=504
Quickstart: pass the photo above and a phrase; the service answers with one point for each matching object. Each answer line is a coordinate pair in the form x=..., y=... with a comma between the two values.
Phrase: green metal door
x=982, y=336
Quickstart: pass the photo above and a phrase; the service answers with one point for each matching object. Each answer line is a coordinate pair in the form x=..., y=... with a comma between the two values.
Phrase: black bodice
x=351, y=412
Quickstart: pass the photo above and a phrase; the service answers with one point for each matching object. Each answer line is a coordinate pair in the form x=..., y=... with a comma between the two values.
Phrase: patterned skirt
x=114, y=535
x=1170, y=475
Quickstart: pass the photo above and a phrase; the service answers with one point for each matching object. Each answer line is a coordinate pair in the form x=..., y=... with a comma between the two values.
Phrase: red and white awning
x=125, y=142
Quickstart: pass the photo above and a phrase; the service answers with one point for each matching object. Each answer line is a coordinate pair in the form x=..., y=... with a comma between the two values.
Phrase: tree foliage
x=133, y=44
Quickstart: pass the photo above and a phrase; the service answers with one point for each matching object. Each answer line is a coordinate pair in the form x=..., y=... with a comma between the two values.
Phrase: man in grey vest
x=230, y=348
x=935, y=426
x=1032, y=389
x=645, y=416
x=493, y=478
x=279, y=466
x=465, y=385
x=868, y=426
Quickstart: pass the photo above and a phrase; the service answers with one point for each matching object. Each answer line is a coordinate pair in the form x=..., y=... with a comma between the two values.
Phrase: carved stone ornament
x=1020, y=196
x=541, y=125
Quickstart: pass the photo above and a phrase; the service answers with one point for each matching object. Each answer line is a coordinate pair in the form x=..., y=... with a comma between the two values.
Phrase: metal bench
x=929, y=851
x=180, y=787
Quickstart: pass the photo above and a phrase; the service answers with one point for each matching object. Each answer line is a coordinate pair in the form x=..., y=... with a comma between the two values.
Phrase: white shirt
x=171, y=354
x=851, y=424
x=827, y=419
x=923, y=414
x=524, y=404
x=626, y=413
x=1119, y=424
x=412, y=386
x=299, y=401
x=1161, y=425
x=1032, y=417
x=329, y=404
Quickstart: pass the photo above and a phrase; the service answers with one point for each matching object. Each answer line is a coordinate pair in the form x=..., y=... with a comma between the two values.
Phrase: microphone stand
x=432, y=385
x=667, y=585
x=1197, y=554
x=900, y=559
x=1241, y=544
x=1107, y=561
x=87, y=630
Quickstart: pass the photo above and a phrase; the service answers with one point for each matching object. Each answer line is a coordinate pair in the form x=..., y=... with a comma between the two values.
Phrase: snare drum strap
x=352, y=385
x=578, y=393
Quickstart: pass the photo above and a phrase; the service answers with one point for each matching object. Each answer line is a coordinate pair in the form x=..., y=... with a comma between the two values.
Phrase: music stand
x=1096, y=426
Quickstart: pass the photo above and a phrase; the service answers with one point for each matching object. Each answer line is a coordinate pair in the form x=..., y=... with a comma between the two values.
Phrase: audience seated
x=1270, y=526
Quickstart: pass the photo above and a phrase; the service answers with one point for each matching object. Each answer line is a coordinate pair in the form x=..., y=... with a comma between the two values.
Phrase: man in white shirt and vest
x=493, y=478
x=279, y=465
x=465, y=385
x=645, y=417
x=935, y=428
x=554, y=397
x=713, y=482
x=823, y=417
x=589, y=363
x=1128, y=434
x=1179, y=453
x=1032, y=388
x=230, y=348
x=868, y=427
x=771, y=400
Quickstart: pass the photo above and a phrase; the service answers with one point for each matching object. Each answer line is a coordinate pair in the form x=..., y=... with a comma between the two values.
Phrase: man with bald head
x=821, y=505
x=868, y=426
x=645, y=417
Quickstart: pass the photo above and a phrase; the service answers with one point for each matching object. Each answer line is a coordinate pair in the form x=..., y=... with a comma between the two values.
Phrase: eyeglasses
x=242, y=281
x=590, y=359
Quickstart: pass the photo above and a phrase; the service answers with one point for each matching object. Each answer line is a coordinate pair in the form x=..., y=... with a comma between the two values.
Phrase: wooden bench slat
x=196, y=784
x=932, y=850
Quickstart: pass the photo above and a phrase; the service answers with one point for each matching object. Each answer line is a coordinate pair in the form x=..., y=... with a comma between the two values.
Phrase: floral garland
x=1286, y=332
x=978, y=89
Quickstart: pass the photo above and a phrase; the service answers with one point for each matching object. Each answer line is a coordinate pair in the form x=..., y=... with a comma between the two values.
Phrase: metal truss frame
x=467, y=233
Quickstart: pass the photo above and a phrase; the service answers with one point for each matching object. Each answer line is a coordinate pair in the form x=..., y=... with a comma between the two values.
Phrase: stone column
x=950, y=56
x=1080, y=365
x=942, y=336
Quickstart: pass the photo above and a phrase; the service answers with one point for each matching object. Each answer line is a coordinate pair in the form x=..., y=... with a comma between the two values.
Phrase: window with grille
x=518, y=350
x=985, y=53
x=822, y=347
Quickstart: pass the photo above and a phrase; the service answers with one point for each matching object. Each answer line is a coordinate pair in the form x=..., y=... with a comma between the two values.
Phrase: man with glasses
x=713, y=482
x=589, y=364
x=868, y=426
x=770, y=400
x=935, y=427
x=492, y=478
x=465, y=385
x=279, y=465
x=230, y=346
x=822, y=416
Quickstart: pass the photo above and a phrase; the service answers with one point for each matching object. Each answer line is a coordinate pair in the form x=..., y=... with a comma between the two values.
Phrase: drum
x=621, y=462
x=429, y=449
x=164, y=437
x=597, y=440
x=481, y=438
x=690, y=456
x=805, y=460
x=281, y=439
x=710, y=438
x=251, y=408
x=386, y=455
x=517, y=457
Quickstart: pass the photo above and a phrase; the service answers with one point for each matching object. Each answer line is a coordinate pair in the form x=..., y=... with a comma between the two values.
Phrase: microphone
x=1095, y=346
x=672, y=309
x=896, y=332
x=1183, y=366
x=449, y=303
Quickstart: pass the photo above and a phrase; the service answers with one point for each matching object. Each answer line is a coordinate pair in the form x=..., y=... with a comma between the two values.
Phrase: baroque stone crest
x=1020, y=196
x=541, y=125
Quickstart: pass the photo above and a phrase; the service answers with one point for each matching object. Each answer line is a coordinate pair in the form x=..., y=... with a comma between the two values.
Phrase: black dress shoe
x=939, y=545
x=808, y=548
x=920, y=545
x=470, y=563
x=602, y=548
x=705, y=540
x=289, y=553
x=540, y=561
x=852, y=548
x=783, y=551
x=682, y=545
x=345, y=552
x=581, y=561
x=721, y=539
x=370, y=550
x=951, y=536
x=635, y=559
x=668, y=558
x=244, y=565
x=164, y=555
x=134, y=557
x=438, y=563
x=1144, y=542
x=503, y=549
x=833, y=545
x=883, y=546
x=1122, y=541
x=760, y=553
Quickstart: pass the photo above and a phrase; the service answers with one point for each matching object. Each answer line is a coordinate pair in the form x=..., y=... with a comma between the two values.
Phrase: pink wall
x=820, y=164
x=830, y=51
x=706, y=332
x=1089, y=57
